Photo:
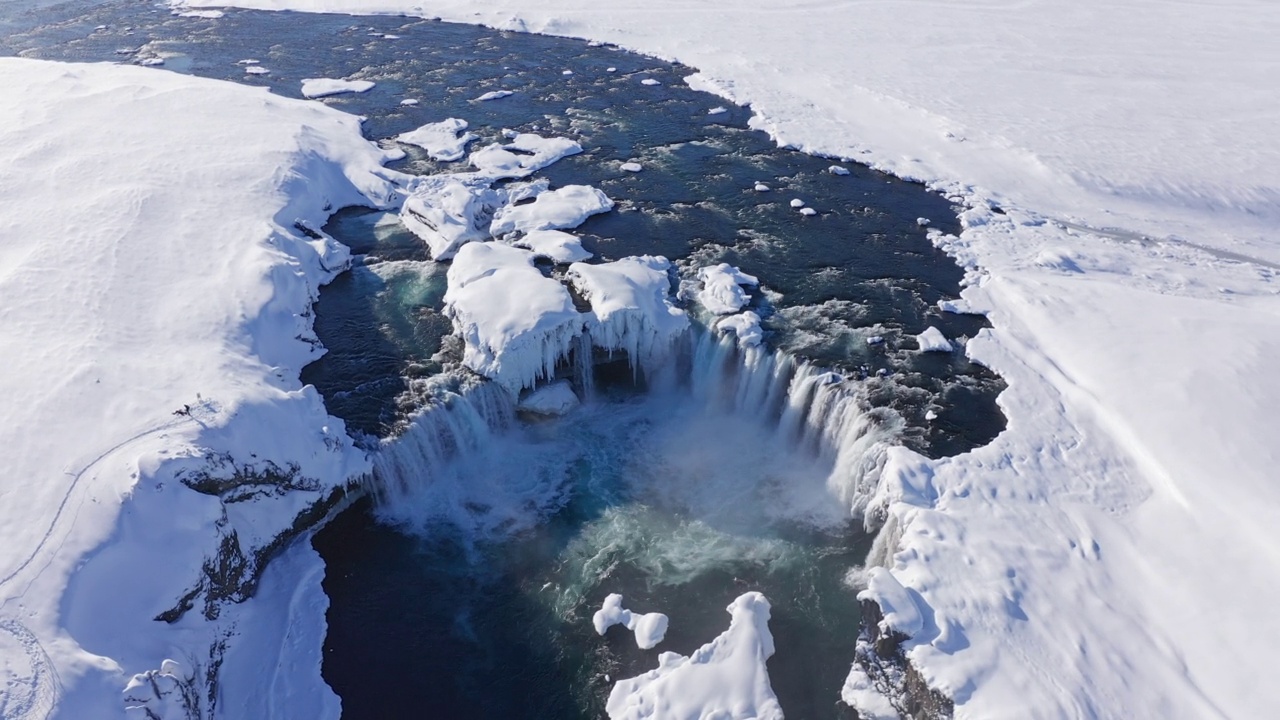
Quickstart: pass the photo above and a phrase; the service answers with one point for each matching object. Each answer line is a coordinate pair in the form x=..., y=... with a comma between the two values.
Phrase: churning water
x=464, y=586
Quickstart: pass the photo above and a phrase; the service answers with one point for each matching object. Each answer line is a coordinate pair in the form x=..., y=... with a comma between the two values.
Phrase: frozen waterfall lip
x=631, y=307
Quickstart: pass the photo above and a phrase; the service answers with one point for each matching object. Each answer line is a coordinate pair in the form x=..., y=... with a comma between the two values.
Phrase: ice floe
x=445, y=140
x=324, y=87
x=932, y=340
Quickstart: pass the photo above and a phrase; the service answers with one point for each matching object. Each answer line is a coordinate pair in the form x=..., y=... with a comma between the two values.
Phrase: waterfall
x=584, y=369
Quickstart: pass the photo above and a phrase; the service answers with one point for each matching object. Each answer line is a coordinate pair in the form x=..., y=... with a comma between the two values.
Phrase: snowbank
x=631, y=307
x=516, y=323
x=155, y=429
x=323, y=87
x=445, y=140
x=725, y=678
x=722, y=288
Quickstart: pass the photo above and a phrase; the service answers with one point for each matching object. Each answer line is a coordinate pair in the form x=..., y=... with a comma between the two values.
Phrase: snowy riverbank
x=158, y=266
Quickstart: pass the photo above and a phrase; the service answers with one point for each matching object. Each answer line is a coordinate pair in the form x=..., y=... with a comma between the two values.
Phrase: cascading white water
x=465, y=460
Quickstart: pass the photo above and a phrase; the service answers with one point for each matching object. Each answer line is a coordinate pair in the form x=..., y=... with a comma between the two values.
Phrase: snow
x=901, y=614
x=722, y=290
x=808, y=211
x=932, y=340
x=565, y=207
x=555, y=245
x=323, y=87
x=554, y=399
x=837, y=170
x=717, y=110
x=495, y=95
x=650, y=81
x=256, y=70
x=761, y=187
x=121, y=309
x=516, y=323
x=409, y=101
x=631, y=307
x=746, y=326
x=525, y=154
x=797, y=203
x=649, y=628
x=631, y=167
x=449, y=210
x=445, y=140
x=726, y=678
x=1111, y=549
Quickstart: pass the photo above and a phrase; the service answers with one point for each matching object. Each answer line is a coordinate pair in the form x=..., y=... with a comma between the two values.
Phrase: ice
x=631, y=167
x=556, y=398
x=932, y=340
x=631, y=307
x=746, y=326
x=761, y=187
x=900, y=612
x=495, y=95
x=448, y=211
x=717, y=110
x=555, y=245
x=649, y=628
x=726, y=678
x=564, y=207
x=516, y=323
x=808, y=211
x=409, y=101
x=650, y=81
x=797, y=203
x=256, y=70
x=323, y=87
x=445, y=140
x=837, y=170
x=722, y=290
x=524, y=155
x=922, y=222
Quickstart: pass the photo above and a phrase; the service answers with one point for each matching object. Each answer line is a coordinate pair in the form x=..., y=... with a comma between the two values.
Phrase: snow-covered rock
x=631, y=167
x=564, y=207
x=495, y=95
x=555, y=245
x=445, y=140
x=726, y=678
x=448, y=211
x=323, y=87
x=631, y=307
x=722, y=290
x=932, y=340
x=516, y=323
x=525, y=154
x=745, y=325
x=556, y=398
x=900, y=612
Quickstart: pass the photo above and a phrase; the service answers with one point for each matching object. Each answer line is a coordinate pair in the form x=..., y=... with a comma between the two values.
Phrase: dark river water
x=675, y=507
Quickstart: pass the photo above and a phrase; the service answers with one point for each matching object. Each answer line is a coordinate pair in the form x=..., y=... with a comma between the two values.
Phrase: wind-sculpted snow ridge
x=631, y=308
x=157, y=485
x=517, y=323
x=725, y=678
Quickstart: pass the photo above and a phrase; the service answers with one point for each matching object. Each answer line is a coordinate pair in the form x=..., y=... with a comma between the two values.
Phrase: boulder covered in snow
x=515, y=322
x=932, y=340
x=557, y=246
x=723, y=290
x=525, y=154
x=445, y=140
x=555, y=399
x=557, y=209
x=631, y=306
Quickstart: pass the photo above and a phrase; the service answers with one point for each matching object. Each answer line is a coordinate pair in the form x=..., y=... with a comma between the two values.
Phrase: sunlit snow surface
x=1076, y=565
